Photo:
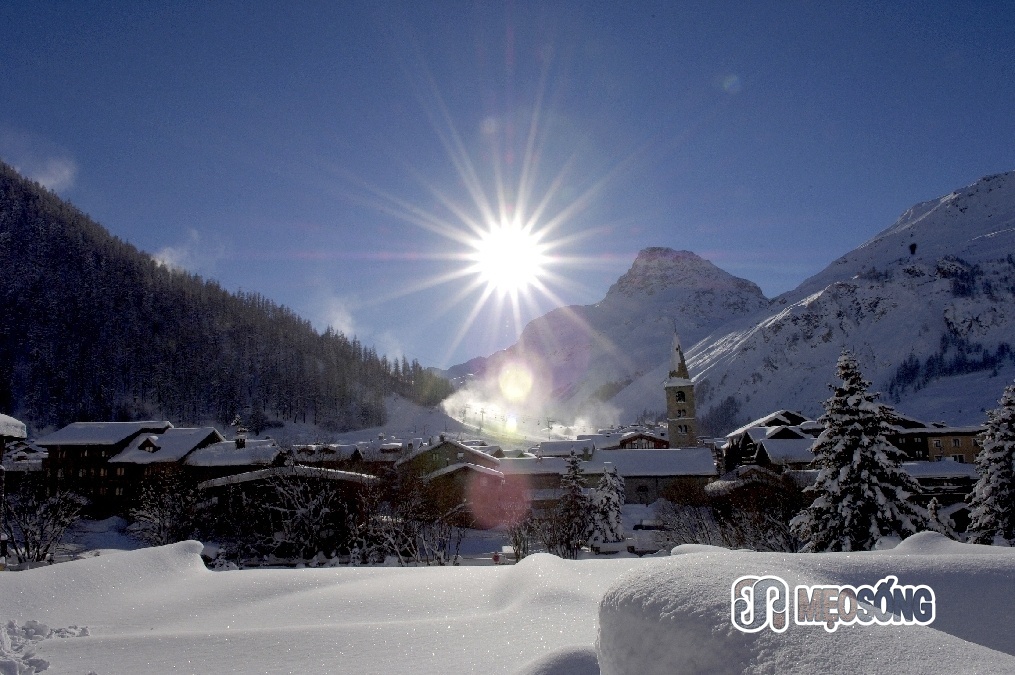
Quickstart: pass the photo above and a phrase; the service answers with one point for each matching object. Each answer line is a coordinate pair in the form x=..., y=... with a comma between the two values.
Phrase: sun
x=509, y=258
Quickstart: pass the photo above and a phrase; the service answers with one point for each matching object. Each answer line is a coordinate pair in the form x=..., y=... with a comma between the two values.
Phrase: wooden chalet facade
x=78, y=460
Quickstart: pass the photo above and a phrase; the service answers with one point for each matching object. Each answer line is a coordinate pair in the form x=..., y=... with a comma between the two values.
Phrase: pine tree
x=567, y=528
x=992, y=503
x=862, y=492
x=609, y=498
x=939, y=523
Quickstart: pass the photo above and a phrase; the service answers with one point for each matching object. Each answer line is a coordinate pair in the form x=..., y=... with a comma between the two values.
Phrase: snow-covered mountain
x=581, y=357
x=928, y=305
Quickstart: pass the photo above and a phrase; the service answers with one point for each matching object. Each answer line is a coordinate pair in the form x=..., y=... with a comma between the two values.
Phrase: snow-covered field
x=160, y=610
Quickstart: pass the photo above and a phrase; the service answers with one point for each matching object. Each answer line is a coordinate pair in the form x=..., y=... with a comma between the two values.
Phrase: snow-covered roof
x=658, y=462
x=295, y=470
x=12, y=428
x=941, y=430
x=788, y=450
x=747, y=474
x=804, y=477
x=564, y=448
x=603, y=441
x=515, y=466
x=944, y=469
x=255, y=451
x=321, y=452
x=645, y=434
x=20, y=455
x=464, y=466
x=629, y=463
x=469, y=450
x=170, y=446
x=775, y=419
x=101, y=433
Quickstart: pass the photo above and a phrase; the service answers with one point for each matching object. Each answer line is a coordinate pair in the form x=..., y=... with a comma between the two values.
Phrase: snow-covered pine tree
x=862, y=492
x=608, y=500
x=992, y=502
x=939, y=522
x=567, y=528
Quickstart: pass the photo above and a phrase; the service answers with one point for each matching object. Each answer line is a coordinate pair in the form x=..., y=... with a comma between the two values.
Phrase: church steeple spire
x=683, y=427
x=678, y=367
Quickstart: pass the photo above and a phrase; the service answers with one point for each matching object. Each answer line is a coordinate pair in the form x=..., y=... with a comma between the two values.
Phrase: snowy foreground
x=160, y=610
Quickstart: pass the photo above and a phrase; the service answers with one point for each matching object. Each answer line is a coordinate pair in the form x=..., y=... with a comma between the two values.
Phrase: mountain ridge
x=95, y=329
x=927, y=299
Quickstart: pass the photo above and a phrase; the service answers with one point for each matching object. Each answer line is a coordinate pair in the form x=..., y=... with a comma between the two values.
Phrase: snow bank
x=673, y=615
x=160, y=610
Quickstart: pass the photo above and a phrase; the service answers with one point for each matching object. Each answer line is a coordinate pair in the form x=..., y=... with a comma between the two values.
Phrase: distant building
x=11, y=430
x=642, y=440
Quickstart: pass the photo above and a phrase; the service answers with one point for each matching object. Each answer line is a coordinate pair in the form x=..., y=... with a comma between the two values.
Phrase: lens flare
x=515, y=382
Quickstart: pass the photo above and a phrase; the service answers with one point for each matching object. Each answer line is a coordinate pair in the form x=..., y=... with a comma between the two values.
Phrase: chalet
x=641, y=440
x=785, y=449
x=326, y=455
x=677, y=474
x=742, y=445
x=428, y=459
x=78, y=458
x=947, y=480
x=455, y=475
x=534, y=479
x=239, y=455
x=673, y=473
x=258, y=500
x=581, y=447
x=959, y=444
x=150, y=453
x=15, y=452
x=604, y=439
x=11, y=430
x=934, y=441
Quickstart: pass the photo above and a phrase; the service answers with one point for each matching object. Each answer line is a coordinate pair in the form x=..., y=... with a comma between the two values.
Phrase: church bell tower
x=683, y=429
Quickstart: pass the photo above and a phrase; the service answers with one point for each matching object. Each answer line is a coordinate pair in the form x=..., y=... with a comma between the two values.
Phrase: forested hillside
x=93, y=329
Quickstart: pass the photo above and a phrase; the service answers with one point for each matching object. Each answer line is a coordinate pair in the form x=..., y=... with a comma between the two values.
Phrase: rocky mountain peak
x=659, y=268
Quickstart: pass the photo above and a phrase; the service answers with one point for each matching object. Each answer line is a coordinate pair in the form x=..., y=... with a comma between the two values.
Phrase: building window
x=959, y=458
x=937, y=442
x=119, y=492
x=81, y=473
x=119, y=471
x=59, y=473
x=102, y=472
x=956, y=443
x=681, y=397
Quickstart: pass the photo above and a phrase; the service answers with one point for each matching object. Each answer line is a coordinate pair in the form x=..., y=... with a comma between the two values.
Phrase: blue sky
x=330, y=155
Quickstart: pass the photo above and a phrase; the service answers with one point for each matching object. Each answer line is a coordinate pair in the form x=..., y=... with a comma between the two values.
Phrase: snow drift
x=673, y=615
x=161, y=610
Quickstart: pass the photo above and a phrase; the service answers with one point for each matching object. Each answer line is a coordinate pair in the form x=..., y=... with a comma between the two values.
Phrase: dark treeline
x=93, y=329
